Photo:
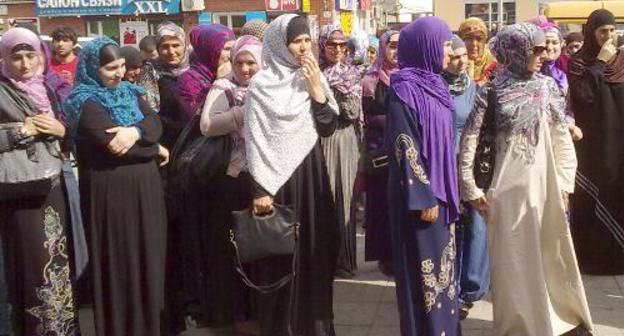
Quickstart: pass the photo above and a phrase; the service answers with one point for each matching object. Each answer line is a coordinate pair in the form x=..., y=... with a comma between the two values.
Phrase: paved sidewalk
x=366, y=305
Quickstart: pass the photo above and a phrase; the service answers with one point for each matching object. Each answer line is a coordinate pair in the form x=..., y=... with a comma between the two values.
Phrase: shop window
x=232, y=20
x=108, y=28
x=488, y=12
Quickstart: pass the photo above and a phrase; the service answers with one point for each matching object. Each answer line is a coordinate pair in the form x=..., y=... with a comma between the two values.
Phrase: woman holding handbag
x=122, y=197
x=529, y=240
x=34, y=225
x=211, y=293
x=289, y=105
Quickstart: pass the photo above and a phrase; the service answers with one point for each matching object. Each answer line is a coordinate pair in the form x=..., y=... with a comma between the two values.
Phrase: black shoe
x=578, y=331
x=386, y=268
x=464, y=309
x=342, y=273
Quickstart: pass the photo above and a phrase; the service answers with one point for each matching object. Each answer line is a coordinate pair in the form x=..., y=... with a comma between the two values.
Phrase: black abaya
x=597, y=215
x=124, y=211
x=305, y=307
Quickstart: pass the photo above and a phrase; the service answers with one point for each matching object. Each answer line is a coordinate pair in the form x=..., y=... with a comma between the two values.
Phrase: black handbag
x=485, y=154
x=259, y=237
x=196, y=158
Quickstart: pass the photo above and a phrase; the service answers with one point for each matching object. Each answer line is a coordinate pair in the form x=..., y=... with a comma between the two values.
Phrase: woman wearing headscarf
x=472, y=253
x=597, y=98
x=375, y=89
x=422, y=183
x=215, y=295
x=289, y=105
x=554, y=43
x=211, y=47
x=371, y=54
x=573, y=43
x=531, y=249
x=475, y=34
x=255, y=28
x=123, y=205
x=34, y=230
x=341, y=149
x=159, y=78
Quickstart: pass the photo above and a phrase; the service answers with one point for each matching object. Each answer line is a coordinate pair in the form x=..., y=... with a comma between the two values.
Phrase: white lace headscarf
x=279, y=123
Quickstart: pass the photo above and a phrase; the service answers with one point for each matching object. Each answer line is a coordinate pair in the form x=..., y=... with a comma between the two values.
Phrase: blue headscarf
x=122, y=103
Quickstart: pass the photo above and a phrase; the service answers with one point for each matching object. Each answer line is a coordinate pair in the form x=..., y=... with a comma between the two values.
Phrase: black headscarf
x=614, y=71
x=297, y=26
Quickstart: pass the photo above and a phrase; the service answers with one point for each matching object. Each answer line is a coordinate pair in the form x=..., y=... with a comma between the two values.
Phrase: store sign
x=344, y=4
x=78, y=7
x=282, y=5
x=345, y=22
x=151, y=7
x=204, y=18
x=366, y=5
x=106, y=7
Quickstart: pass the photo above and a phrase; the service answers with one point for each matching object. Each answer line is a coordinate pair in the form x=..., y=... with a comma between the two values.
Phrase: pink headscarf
x=381, y=69
x=34, y=87
x=247, y=43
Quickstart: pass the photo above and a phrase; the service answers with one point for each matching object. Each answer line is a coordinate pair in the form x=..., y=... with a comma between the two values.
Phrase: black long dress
x=124, y=211
x=378, y=245
x=305, y=307
x=597, y=211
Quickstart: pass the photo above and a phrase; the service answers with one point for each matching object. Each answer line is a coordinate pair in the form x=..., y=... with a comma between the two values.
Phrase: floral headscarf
x=255, y=27
x=121, y=103
x=208, y=42
x=514, y=47
x=521, y=94
x=341, y=76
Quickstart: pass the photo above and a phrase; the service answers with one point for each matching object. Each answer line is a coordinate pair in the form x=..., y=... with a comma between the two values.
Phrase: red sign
x=366, y=5
x=282, y=5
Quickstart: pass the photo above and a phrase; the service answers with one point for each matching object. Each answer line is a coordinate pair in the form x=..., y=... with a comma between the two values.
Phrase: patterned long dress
x=424, y=253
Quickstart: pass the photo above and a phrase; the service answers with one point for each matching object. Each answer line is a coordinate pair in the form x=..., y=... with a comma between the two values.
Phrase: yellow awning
x=579, y=10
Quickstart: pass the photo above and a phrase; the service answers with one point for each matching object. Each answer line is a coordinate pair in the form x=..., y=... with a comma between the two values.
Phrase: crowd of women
x=404, y=120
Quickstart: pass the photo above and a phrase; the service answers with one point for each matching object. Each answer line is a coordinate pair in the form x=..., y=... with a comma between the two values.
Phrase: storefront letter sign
x=282, y=5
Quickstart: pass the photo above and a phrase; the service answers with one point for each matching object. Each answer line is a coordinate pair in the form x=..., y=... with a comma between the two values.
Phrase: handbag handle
x=264, y=289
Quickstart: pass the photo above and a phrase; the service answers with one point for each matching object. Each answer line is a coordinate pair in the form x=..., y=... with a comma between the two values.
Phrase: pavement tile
x=383, y=330
x=387, y=315
x=352, y=330
x=357, y=291
x=355, y=314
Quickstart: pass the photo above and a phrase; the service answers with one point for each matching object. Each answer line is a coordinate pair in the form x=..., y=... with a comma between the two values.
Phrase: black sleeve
x=583, y=91
x=258, y=191
x=325, y=117
x=94, y=121
x=150, y=126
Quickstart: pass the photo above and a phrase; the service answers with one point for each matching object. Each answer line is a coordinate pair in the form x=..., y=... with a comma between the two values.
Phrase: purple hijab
x=550, y=68
x=419, y=86
x=208, y=42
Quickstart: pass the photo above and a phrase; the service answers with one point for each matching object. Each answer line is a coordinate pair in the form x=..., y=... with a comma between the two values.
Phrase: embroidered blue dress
x=424, y=253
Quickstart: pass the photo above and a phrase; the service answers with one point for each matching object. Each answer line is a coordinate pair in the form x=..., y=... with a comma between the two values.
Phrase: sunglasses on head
x=537, y=50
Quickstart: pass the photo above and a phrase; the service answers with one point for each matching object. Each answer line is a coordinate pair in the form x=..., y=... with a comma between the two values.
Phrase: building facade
x=127, y=21
x=455, y=11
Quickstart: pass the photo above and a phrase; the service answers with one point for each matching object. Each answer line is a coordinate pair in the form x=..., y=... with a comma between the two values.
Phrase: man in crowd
x=64, y=60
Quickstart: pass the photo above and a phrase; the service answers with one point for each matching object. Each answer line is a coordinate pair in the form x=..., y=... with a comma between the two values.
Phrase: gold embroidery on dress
x=445, y=281
x=56, y=314
x=405, y=143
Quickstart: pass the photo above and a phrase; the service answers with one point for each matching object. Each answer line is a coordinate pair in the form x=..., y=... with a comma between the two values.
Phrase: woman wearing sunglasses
x=536, y=284
x=341, y=149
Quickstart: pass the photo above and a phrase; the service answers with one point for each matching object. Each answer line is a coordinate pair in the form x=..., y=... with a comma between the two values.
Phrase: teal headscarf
x=122, y=103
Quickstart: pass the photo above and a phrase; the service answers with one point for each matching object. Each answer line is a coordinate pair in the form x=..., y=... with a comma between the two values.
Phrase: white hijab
x=280, y=129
